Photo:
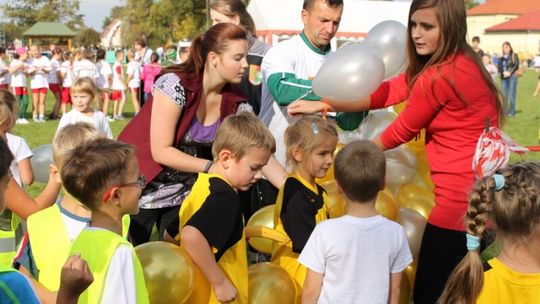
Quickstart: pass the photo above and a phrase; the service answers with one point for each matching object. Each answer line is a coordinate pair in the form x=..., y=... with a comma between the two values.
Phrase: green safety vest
x=97, y=247
x=9, y=238
x=47, y=233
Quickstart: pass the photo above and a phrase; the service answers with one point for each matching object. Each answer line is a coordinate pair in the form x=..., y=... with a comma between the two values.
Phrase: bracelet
x=208, y=165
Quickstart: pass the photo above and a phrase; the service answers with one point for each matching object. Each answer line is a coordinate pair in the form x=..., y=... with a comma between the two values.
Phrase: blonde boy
x=359, y=257
x=103, y=174
x=211, y=221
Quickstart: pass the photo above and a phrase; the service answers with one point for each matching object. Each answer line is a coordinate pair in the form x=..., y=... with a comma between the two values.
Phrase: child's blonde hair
x=307, y=133
x=70, y=137
x=130, y=55
x=92, y=168
x=241, y=132
x=8, y=111
x=511, y=199
x=85, y=85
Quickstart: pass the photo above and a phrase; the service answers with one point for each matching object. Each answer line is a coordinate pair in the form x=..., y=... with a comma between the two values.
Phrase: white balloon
x=401, y=166
x=389, y=38
x=41, y=160
x=414, y=225
x=376, y=122
x=352, y=72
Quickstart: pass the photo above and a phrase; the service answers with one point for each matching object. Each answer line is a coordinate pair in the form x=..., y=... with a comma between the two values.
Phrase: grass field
x=523, y=128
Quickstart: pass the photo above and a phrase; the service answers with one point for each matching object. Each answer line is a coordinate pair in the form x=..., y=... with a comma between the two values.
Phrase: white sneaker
x=109, y=118
x=41, y=119
x=35, y=119
x=22, y=121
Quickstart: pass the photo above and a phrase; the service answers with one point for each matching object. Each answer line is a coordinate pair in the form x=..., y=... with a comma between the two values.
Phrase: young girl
x=118, y=86
x=149, y=73
x=508, y=65
x=83, y=94
x=301, y=202
x=511, y=200
x=55, y=81
x=66, y=72
x=4, y=71
x=104, y=81
x=134, y=80
x=39, y=68
x=17, y=70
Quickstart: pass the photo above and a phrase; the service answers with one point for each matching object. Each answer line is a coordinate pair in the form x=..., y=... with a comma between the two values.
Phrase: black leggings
x=440, y=252
x=142, y=223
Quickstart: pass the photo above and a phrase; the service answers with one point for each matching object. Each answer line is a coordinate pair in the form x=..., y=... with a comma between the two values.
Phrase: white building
x=112, y=35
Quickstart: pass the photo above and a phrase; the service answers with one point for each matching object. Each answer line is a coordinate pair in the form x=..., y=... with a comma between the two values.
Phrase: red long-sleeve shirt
x=452, y=102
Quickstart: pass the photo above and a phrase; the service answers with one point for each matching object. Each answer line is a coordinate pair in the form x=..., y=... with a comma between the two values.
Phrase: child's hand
x=225, y=292
x=75, y=276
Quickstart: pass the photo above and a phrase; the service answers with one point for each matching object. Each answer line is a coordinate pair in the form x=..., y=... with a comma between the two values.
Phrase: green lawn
x=523, y=128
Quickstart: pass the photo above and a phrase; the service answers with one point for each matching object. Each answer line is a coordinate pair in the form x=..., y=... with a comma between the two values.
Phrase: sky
x=94, y=11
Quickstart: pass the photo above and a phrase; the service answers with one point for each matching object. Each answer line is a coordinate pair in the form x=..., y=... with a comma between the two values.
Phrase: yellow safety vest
x=9, y=239
x=97, y=247
x=47, y=234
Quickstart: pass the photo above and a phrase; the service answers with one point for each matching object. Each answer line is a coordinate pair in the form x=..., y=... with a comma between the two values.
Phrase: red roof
x=505, y=7
x=526, y=22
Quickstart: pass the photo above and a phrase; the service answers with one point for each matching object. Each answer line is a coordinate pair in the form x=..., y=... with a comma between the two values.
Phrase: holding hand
x=305, y=107
x=225, y=291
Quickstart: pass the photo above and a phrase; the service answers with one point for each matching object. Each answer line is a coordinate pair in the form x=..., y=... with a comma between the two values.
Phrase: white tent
x=276, y=20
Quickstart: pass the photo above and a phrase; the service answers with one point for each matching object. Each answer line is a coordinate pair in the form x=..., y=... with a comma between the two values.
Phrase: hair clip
x=473, y=242
x=499, y=181
x=314, y=128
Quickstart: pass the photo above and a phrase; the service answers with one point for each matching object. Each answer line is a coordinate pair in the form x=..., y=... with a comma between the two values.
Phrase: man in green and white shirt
x=289, y=66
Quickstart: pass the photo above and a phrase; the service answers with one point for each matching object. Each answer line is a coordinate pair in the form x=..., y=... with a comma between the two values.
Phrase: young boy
x=134, y=80
x=103, y=174
x=359, y=257
x=211, y=221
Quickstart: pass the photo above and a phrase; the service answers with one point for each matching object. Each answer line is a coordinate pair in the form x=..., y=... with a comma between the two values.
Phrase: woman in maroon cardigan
x=175, y=130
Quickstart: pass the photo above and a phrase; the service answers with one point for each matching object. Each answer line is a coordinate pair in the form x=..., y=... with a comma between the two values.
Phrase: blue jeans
x=509, y=86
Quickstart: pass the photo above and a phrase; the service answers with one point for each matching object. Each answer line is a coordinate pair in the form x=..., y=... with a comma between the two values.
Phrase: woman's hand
x=305, y=107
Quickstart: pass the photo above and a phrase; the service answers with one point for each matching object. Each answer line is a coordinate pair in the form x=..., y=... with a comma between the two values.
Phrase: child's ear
x=225, y=158
x=296, y=153
x=55, y=172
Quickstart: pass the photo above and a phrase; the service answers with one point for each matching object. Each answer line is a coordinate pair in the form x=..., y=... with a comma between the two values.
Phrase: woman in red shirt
x=447, y=91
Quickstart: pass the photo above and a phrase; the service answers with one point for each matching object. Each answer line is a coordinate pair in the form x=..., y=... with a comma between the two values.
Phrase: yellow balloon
x=168, y=272
x=201, y=289
x=398, y=108
x=269, y=283
x=418, y=144
x=414, y=191
x=337, y=206
x=386, y=205
x=263, y=217
x=410, y=271
x=423, y=169
x=405, y=290
x=422, y=205
x=330, y=173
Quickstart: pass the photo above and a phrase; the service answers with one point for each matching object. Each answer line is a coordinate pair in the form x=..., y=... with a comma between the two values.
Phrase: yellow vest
x=8, y=240
x=282, y=253
x=47, y=233
x=97, y=247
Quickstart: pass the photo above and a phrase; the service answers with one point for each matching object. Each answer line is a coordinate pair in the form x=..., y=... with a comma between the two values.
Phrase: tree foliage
x=25, y=13
x=88, y=37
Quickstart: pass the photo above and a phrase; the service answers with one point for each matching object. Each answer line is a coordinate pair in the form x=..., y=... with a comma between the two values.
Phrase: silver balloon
x=401, y=167
x=352, y=72
x=376, y=122
x=414, y=225
x=389, y=39
x=41, y=160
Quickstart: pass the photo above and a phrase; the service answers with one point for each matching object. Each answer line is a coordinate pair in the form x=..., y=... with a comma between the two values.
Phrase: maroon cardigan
x=137, y=131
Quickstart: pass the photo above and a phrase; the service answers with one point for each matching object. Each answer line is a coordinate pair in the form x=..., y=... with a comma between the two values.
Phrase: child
x=21, y=169
x=511, y=200
x=490, y=67
x=17, y=69
x=118, y=86
x=134, y=80
x=359, y=257
x=104, y=80
x=85, y=67
x=149, y=73
x=39, y=68
x=4, y=71
x=211, y=221
x=301, y=202
x=83, y=94
x=66, y=72
x=103, y=175
x=54, y=81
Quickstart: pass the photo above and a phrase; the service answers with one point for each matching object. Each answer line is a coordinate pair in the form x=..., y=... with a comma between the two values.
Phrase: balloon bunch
x=356, y=70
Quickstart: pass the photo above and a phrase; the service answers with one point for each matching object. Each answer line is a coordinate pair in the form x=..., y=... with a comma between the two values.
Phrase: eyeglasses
x=141, y=182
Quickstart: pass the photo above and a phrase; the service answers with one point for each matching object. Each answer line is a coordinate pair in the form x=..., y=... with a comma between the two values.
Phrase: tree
x=470, y=3
x=88, y=36
x=116, y=13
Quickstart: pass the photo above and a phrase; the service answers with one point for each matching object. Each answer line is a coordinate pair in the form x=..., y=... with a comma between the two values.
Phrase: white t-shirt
x=97, y=119
x=120, y=284
x=20, y=150
x=290, y=56
x=53, y=76
x=67, y=72
x=145, y=58
x=537, y=61
x=38, y=79
x=18, y=79
x=105, y=71
x=85, y=68
x=357, y=256
x=134, y=70
x=74, y=223
x=4, y=73
x=118, y=77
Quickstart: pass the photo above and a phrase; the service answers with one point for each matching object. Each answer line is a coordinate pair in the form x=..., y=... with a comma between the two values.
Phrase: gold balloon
x=414, y=225
x=263, y=217
x=386, y=205
x=201, y=289
x=330, y=173
x=423, y=168
x=404, y=290
x=410, y=271
x=414, y=191
x=398, y=108
x=337, y=206
x=269, y=283
x=418, y=144
x=168, y=272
